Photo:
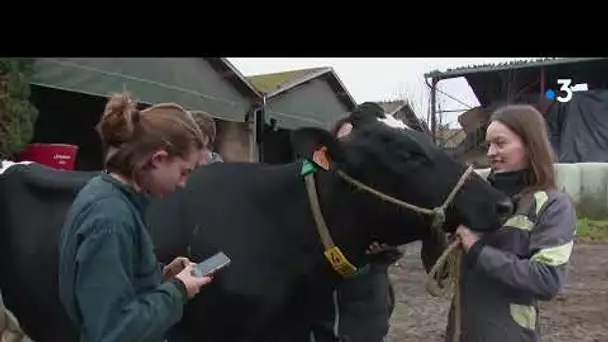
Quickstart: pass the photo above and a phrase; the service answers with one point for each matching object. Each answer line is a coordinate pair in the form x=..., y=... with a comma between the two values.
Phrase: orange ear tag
x=321, y=158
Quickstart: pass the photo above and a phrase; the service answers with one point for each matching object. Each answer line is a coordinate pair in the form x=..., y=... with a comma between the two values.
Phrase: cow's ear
x=366, y=114
x=317, y=145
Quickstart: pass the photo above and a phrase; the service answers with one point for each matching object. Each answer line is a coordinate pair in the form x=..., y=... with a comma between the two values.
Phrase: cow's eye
x=419, y=156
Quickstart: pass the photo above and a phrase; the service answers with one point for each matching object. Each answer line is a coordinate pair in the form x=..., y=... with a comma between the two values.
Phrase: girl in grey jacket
x=505, y=273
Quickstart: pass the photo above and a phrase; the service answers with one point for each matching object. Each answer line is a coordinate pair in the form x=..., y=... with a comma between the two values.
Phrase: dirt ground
x=579, y=314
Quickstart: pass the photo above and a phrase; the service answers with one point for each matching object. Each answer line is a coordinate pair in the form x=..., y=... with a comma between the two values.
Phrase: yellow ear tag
x=339, y=262
x=321, y=158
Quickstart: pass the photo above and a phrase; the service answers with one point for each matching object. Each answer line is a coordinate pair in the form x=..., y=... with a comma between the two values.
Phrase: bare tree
x=407, y=95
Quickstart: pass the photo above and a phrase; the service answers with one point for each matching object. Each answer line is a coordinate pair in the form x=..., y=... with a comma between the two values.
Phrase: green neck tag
x=308, y=167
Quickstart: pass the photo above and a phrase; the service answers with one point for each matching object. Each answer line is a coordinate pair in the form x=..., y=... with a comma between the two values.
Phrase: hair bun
x=118, y=120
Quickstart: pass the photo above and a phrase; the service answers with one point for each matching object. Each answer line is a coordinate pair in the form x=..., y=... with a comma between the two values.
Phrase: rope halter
x=437, y=213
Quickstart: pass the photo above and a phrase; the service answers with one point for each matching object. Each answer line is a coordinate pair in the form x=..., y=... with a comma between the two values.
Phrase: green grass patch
x=591, y=231
x=592, y=207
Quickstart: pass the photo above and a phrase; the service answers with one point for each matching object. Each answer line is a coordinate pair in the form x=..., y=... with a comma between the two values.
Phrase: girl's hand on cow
x=467, y=237
x=193, y=284
x=176, y=266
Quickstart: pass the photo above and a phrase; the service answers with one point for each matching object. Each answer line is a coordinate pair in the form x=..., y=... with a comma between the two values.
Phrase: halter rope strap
x=438, y=213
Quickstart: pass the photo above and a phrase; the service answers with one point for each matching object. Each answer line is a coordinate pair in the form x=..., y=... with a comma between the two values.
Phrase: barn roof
x=269, y=83
x=492, y=82
x=240, y=78
x=151, y=80
x=403, y=111
x=276, y=83
x=504, y=66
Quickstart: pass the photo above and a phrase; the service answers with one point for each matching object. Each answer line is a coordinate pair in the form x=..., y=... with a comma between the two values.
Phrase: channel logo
x=565, y=89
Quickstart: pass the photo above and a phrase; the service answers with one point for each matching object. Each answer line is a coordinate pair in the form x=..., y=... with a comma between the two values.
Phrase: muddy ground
x=579, y=314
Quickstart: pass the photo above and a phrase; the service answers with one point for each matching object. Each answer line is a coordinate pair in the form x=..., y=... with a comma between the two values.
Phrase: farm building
x=578, y=128
x=404, y=112
x=70, y=94
x=297, y=98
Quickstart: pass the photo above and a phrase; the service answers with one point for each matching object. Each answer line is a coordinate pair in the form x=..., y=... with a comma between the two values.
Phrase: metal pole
x=256, y=137
x=433, y=110
x=253, y=134
x=260, y=136
x=541, y=99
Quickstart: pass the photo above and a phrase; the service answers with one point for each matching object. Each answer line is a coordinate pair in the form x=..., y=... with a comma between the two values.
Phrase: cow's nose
x=504, y=208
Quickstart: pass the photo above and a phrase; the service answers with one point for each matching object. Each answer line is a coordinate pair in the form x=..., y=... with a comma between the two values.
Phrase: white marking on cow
x=6, y=164
x=391, y=121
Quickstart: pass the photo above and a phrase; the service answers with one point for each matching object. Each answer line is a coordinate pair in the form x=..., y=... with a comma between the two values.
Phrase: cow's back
x=34, y=200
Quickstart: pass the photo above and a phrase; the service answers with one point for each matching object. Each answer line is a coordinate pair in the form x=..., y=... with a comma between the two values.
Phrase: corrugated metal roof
x=269, y=83
x=492, y=67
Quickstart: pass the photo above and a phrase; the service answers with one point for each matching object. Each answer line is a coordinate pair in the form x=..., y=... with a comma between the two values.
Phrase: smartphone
x=211, y=265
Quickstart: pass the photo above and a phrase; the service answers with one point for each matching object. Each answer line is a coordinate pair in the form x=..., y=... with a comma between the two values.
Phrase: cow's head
x=386, y=155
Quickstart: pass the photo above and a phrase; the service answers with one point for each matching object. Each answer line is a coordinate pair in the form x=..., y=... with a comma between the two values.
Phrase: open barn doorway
x=277, y=148
x=69, y=118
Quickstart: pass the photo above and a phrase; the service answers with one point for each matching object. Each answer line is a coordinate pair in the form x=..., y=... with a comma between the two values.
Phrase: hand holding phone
x=192, y=283
x=174, y=267
x=211, y=265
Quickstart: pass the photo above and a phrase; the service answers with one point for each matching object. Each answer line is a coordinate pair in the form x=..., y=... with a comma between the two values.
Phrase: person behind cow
x=362, y=306
x=505, y=273
x=111, y=284
x=207, y=126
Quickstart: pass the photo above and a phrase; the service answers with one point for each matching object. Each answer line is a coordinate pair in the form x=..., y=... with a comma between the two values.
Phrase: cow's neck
x=342, y=216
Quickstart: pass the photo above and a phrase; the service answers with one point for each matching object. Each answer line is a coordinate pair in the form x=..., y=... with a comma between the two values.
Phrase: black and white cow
x=259, y=215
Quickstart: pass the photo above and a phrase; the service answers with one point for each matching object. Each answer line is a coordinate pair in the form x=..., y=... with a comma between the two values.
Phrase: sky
x=377, y=79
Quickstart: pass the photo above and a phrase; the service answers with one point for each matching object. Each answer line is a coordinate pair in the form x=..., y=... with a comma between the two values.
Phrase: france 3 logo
x=565, y=91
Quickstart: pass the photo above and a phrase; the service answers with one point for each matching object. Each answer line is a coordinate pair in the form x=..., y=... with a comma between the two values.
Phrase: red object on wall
x=59, y=156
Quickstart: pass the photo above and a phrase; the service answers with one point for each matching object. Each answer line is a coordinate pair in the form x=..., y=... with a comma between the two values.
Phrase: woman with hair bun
x=110, y=282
